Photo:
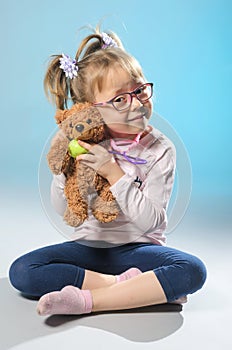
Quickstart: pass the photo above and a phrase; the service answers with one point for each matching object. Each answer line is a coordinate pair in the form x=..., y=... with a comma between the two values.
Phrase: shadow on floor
x=20, y=323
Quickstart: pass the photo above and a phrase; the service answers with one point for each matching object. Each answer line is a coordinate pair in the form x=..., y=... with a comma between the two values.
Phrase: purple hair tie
x=108, y=41
x=69, y=66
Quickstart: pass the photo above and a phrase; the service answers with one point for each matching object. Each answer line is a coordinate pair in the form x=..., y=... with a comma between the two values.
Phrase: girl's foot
x=181, y=300
x=132, y=272
x=69, y=301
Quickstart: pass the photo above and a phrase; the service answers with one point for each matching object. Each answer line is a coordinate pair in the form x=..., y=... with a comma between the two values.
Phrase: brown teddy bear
x=82, y=121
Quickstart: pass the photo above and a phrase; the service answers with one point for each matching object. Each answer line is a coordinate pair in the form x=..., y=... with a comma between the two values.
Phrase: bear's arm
x=57, y=153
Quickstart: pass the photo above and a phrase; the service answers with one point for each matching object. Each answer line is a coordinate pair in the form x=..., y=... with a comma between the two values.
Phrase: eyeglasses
x=123, y=101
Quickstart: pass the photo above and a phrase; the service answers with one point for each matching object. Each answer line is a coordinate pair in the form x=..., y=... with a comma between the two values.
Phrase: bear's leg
x=77, y=202
x=104, y=207
x=73, y=219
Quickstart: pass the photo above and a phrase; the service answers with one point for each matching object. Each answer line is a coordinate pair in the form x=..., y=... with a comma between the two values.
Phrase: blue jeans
x=51, y=268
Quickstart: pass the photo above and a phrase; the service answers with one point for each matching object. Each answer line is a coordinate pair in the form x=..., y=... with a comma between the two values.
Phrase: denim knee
x=19, y=276
x=195, y=273
x=185, y=276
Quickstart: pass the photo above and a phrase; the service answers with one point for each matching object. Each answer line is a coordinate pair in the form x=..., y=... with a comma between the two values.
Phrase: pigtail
x=88, y=46
x=56, y=84
x=74, y=81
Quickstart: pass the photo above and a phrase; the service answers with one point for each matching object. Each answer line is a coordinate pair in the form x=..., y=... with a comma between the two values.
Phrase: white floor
x=204, y=322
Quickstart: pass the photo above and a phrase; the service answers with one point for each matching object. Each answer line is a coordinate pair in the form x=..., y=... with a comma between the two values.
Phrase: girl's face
x=126, y=123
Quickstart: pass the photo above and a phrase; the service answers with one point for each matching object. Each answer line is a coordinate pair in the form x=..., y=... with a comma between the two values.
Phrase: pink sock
x=181, y=300
x=69, y=301
x=128, y=274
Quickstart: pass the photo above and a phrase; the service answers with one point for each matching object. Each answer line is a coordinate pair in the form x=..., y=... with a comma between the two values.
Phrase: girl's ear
x=61, y=115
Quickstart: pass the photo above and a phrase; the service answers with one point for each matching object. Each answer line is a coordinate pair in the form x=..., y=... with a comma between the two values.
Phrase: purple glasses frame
x=131, y=94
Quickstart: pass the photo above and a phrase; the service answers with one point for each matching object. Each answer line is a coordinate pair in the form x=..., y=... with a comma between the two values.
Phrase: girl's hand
x=101, y=161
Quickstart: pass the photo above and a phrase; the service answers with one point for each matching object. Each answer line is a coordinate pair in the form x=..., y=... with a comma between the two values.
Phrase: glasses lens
x=122, y=102
x=144, y=92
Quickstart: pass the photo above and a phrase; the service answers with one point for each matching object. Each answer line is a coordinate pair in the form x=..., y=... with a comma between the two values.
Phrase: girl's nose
x=135, y=103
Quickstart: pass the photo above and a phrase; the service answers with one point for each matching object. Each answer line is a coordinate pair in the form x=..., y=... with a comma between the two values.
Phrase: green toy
x=75, y=149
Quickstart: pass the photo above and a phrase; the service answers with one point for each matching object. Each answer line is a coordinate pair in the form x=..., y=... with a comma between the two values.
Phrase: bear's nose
x=79, y=127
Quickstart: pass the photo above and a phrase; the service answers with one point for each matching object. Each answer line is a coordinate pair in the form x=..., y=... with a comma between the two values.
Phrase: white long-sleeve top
x=142, y=193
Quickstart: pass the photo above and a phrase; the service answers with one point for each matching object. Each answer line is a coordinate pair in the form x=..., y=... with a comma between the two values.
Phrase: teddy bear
x=81, y=122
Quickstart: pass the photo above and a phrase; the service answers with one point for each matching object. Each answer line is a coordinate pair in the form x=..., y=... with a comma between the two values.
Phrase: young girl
x=124, y=264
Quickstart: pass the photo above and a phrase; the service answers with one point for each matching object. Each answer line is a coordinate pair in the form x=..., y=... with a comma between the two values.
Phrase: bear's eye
x=79, y=127
x=89, y=121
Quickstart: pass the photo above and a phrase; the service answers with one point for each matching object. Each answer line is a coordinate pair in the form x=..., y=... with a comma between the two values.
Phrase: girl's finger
x=86, y=157
x=85, y=145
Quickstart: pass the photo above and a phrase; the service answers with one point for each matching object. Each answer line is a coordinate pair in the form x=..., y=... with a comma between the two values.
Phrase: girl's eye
x=120, y=99
x=140, y=90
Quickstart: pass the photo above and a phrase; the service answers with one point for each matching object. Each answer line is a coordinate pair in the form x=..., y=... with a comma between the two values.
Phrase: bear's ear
x=61, y=115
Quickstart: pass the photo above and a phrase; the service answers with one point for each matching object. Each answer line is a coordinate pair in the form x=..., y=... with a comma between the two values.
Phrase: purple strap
x=133, y=160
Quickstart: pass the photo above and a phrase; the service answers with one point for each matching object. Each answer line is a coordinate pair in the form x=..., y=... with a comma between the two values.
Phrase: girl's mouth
x=141, y=116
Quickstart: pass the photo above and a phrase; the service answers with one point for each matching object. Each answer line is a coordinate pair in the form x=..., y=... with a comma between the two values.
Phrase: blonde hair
x=93, y=64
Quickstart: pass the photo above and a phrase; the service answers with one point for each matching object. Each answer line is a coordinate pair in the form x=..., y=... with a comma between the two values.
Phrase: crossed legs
x=139, y=290
x=64, y=274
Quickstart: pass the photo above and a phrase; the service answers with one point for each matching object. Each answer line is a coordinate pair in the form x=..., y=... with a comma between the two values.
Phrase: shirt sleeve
x=147, y=207
x=58, y=199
